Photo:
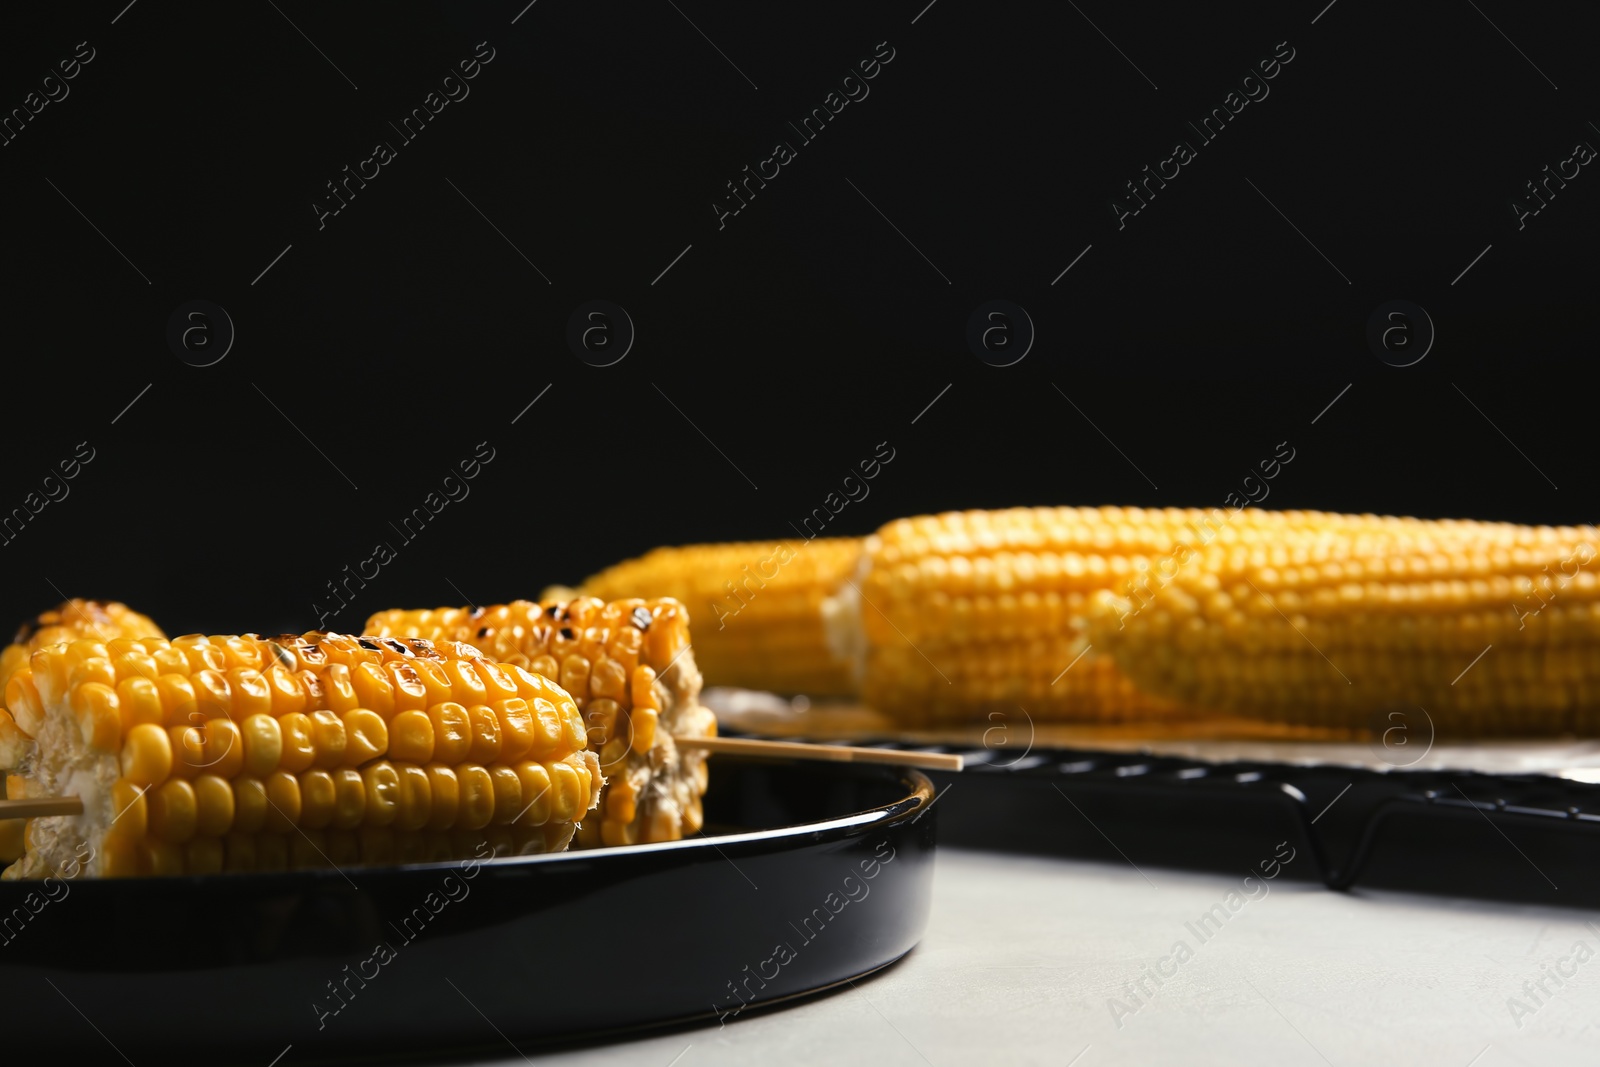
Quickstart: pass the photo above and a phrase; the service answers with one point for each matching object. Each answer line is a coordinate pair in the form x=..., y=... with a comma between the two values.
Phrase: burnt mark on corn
x=395, y=646
x=422, y=648
x=640, y=617
x=484, y=631
x=367, y=643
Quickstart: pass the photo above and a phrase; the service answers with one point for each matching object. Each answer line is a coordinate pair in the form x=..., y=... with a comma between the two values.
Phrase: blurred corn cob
x=201, y=754
x=628, y=666
x=1490, y=628
x=68, y=621
x=949, y=617
x=758, y=606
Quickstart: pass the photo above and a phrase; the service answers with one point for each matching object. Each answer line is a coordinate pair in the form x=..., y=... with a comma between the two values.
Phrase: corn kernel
x=445, y=789
x=318, y=798
x=366, y=736
x=203, y=855
x=239, y=853
x=213, y=797
x=147, y=755
x=373, y=689
x=350, y=798
x=272, y=853
x=339, y=690
x=212, y=693
x=517, y=730
x=188, y=750
x=415, y=803
x=177, y=698
x=568, y=797
x=138, y=701
x=452, y=732
x=466, y=687
x=409, y=692
x=485, y=734
x=130, y=812
x=288, y=696
x=382, y=784
x=411, y=736
x=22, y=700
x=308, y=850
x=262, y=740
x=171, y=810
x=328, y=736
x=536, y=797
x=223, y=748
x=283, y=803
x=435, y=681
x=251, y=693
x=508, y=802
x=160, y=858
x=249, y=804
x=98, y=714
x=477, y=797
x=499, y=684
x=299, y=746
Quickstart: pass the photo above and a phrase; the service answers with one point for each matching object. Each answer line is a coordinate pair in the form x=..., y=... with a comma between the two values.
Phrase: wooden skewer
x=937, y=761
x=40, y=807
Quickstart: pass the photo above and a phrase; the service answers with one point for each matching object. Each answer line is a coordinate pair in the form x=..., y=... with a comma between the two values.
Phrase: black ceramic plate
x=424, y=960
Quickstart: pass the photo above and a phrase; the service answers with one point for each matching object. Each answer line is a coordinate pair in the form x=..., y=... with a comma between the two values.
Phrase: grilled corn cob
x=761, y=606
x=244, y=753
x=628, y=666
x=1490, y=628
x=69, y=621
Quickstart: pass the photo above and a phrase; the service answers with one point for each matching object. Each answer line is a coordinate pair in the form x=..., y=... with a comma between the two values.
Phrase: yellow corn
x=250, y=753
x=964, y=615
x=628, y=666
x=1489, y=628
x=68, y=621
x=759, y=606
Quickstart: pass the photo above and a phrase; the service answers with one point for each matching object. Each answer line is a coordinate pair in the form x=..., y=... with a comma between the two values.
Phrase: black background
x=380, y=349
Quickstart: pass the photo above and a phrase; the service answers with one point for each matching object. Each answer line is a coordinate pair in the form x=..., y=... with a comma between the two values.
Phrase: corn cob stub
x=628, y=666
x=68, y=621
x=758, y=606
x=1342, y=630
x=200, y=754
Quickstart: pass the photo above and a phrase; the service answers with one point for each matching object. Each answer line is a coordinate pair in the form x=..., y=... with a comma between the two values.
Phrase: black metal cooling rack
x=1519, y=837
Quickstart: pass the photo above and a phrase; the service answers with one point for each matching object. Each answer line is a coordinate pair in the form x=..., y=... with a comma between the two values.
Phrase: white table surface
x=1021, y=955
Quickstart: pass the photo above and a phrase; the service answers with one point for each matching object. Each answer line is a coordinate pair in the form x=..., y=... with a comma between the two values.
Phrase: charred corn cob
x=760, y=606
x=69, y=621
x=1488, y=627
x=628, y=666
x=247, y=753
